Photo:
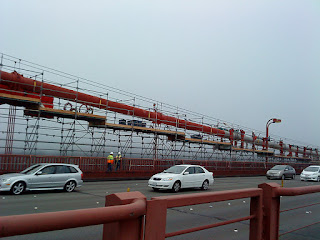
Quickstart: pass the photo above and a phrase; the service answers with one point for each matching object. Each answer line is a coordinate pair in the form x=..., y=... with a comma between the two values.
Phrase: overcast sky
x=241, y=61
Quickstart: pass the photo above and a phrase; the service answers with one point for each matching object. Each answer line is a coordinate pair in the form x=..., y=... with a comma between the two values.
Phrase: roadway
x=92, y=195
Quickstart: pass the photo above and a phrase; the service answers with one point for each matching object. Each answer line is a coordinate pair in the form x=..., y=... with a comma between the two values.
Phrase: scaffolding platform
x=51, y=112
x=177, y=135
x=298, y=158
x=17, y=100
x=242, y=149
x=194, y=140
x=264, y=152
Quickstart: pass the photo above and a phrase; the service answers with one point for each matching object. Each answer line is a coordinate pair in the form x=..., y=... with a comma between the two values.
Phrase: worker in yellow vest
x=110, y=161
x=118, y=161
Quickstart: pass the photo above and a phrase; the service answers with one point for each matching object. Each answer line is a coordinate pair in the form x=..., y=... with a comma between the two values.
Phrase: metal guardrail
x=157, y=211
x=271, y=202
x=130, y=216
x=120, y=208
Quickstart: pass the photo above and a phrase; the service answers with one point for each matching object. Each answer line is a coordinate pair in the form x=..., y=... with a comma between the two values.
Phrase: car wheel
x=293, y=176
x=155, y=189
x=205, y=185
x=318, y=179
x=268, y=177
x=70, y=186
x=176, y=186
x=18, y=188
x=283, y=177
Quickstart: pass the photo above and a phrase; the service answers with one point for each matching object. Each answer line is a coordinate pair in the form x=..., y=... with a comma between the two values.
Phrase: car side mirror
x=186, y=173
x=39, y=173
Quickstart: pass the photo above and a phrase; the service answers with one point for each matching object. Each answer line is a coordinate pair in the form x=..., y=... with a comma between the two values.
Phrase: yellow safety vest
x=110, y=159
x=118, y=158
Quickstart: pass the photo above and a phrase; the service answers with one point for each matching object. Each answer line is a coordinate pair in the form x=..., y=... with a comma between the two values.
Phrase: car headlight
x=167, y=179
x=5, y=180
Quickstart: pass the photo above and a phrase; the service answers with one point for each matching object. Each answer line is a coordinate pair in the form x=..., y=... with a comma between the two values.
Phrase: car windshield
x=312, y=169
x=175, y=169
x=279, y=167
x=32, y=169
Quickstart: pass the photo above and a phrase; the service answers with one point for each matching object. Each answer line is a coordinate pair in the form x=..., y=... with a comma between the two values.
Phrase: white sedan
x=182, y=176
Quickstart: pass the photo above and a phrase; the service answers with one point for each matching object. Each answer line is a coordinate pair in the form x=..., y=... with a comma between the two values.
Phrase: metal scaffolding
x=38, y=123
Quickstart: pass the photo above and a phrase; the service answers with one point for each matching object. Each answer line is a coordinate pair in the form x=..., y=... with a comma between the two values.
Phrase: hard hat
x=111, y=153
x=119, y=152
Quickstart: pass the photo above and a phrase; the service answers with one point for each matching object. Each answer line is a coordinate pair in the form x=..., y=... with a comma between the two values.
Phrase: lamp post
x=272, y=120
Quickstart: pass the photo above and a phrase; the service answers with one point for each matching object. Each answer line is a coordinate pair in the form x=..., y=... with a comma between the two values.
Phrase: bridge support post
x=156, y=219
x=256, y=223
x=128, y=229
x=271, y=211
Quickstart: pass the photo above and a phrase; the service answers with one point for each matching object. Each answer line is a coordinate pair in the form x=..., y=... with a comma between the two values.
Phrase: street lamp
x=272, y=120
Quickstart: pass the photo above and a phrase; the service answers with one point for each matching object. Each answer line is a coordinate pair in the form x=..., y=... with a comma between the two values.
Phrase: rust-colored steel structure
x=17, y=82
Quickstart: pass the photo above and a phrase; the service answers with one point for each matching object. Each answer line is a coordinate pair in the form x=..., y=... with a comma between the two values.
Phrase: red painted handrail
x=123, y=216
x=271, y=202
x=42, y=222
x=200, y=198
x=157, y=209
x=297, y=191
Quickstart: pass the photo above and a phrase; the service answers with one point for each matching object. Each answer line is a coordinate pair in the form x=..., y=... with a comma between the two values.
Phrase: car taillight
x=81, y=175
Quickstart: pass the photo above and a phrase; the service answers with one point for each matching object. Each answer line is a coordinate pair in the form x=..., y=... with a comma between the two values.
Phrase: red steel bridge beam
x=16, y=81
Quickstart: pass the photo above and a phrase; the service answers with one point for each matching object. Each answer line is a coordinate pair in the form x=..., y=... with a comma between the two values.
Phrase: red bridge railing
x=131, y=216
x=157, y=212
x=271, y=202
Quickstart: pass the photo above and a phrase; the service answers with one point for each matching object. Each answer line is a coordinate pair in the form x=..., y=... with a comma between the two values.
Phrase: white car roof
x=66, y=164
x=314, y=166
x=188, y=165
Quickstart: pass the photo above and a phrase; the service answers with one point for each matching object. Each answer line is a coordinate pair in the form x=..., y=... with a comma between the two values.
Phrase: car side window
x=73, y=170
x=199, y=170
x=48, y=170
x=62, y=169
x=190, y=170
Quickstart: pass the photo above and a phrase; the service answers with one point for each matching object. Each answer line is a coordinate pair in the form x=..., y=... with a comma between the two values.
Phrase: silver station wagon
x=43, y=176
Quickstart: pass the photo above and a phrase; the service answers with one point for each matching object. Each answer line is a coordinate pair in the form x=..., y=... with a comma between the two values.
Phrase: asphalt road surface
x=92, y=195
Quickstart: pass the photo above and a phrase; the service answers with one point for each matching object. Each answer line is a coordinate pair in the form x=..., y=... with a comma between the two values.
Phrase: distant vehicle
x=137, y=123
x=182, y=176
x=196, y=136
x=43, y=176
x=311, y=173
x=123, y=121
x=281, y=172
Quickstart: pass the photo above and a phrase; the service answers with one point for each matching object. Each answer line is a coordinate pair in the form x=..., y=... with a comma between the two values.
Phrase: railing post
x=156, y=219
x=128, y=229
x=256, y=223
x=271, y=211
